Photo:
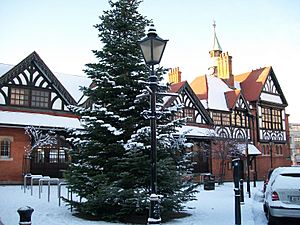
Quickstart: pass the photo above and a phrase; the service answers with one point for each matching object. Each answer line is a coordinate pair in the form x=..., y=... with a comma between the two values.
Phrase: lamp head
x=152, y=47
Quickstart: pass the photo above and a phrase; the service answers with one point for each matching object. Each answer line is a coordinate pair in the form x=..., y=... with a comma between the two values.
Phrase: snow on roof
x=216, y=96
x=71, y=82
x=40, y=120
x=195, y=131
x=4, y=68
x=252, y=150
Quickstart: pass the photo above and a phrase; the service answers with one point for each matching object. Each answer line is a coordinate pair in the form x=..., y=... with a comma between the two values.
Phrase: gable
x=251, y=83
x=32, y=75
x=187, y=98
x=271, y=91
x=241, y=103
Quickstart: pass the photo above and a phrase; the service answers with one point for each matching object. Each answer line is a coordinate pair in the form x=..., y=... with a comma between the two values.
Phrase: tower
x=214, y=53
x=221, y=65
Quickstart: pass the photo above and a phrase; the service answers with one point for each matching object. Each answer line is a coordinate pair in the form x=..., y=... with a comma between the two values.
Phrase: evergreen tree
x=110, y=169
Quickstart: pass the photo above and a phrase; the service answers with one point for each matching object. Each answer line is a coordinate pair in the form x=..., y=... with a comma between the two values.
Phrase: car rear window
x=291, y=174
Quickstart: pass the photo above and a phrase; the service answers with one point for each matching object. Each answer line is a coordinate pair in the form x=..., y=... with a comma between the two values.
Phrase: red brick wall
x=263, y=164
x=264, y=161
x=11, y=169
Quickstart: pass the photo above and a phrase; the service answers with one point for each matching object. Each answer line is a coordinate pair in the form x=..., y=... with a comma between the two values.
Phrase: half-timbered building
x=199, y=125
x=32, y=95
x=247, y=109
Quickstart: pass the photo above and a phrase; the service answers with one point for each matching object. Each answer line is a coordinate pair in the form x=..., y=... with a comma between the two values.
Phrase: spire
x=216, y=45
x=214, y=54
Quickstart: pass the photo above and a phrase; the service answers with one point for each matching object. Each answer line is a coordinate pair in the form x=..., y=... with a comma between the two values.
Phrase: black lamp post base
x=154, y=214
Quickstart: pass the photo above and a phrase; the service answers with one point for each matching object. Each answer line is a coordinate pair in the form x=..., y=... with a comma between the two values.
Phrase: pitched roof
x=231, y=97
x=211, y=91
x=174, y=88
x=253, y=82
x=199, y=86
x=69, y=84
x=22, y=119
x=184, y=86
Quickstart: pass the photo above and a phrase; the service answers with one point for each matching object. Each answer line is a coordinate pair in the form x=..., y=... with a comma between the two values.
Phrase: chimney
x=174, y=75
x=225, y=68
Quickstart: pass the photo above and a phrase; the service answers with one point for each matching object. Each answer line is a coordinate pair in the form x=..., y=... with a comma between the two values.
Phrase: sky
x=256, y=33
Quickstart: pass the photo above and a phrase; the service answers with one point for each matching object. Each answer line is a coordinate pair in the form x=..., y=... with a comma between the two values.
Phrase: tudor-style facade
x=248, y=108
x=32, y=95
x=270, y=121
x=198, y=122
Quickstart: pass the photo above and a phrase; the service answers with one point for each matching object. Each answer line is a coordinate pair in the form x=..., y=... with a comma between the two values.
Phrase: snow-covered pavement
x=212, y=208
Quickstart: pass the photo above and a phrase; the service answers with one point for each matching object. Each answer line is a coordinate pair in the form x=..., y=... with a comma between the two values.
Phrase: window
x=239, y=119
x=53, y=156
x=40, y=99
x=31, y=98
x=279, y=150
x=226, y=119
x=5, y=148
x=51, y=153
x=271, y=118
x=297, y=142
x=19, y=96
x=265, y=150
x=187, y=112
x=190, y=114
x=217, y=118
x=40, y=156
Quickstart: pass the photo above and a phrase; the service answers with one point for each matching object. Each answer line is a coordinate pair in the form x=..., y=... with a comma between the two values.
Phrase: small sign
x=295, y=199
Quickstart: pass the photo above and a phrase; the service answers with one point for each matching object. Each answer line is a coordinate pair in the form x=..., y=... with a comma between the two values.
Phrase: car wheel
x=271, y=219
x=265, y=209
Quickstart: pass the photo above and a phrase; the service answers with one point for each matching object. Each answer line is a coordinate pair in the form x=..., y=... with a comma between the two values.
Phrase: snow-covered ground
x=212, y=207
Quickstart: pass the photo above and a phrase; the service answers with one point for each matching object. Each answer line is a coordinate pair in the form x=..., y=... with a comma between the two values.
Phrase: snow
x=71, y=82
x=195, y=131
x=4, y=68
x=212, y=207
x=252, y=150
x=271, y=98
x=40, y=120
x=287, y=182
x=216, y=97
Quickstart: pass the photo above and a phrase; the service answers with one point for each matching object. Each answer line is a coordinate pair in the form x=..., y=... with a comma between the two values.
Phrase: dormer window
x=40, y=99
x=36, y=98
x=19, y=96
x=189, y=113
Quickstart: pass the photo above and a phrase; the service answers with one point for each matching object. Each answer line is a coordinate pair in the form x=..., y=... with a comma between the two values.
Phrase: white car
x=282, y=195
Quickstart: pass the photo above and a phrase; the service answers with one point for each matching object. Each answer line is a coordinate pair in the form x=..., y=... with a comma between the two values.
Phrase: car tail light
x=275, y=196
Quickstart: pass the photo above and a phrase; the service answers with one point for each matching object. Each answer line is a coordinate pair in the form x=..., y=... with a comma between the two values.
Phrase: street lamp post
x=248, y=167
x=271, y=151
x=152, y=48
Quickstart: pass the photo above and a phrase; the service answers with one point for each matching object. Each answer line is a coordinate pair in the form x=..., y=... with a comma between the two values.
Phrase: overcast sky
x=256, y=33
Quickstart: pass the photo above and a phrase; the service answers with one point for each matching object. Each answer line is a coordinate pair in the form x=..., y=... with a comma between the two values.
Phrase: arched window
x=5, y=149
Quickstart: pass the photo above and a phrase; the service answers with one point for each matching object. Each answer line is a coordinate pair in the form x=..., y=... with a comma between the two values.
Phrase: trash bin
x=209, y=182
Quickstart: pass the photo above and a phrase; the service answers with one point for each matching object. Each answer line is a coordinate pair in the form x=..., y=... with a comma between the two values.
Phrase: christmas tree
x=110, y=169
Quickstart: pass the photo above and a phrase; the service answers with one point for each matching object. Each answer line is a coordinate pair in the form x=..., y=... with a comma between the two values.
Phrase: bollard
x=254, y=179
x=25, y=215
x=237, y=207
x=242, y=191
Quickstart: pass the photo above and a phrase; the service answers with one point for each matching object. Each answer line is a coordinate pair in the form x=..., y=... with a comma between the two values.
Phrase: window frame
x=187, y=112
x=271, y=118
x=36, y=97
x=8, y=151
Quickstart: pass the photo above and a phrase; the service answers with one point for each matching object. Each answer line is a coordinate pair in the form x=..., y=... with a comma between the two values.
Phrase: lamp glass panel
x=146, y=49
x=158, y=48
